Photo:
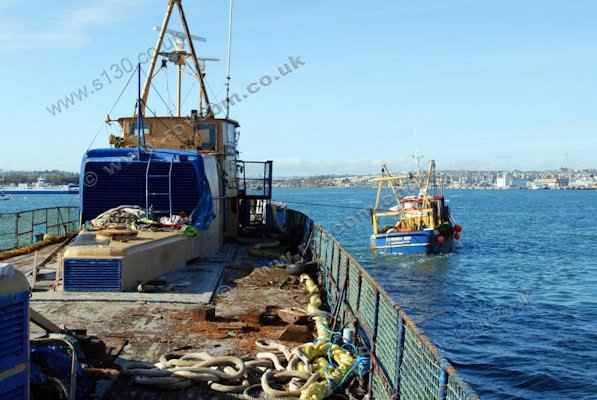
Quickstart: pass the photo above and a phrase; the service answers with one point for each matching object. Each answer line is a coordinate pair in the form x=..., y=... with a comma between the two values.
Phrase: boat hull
x=420, y=242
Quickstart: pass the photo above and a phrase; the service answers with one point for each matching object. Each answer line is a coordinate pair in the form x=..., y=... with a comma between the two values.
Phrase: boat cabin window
x=207, y=134
x=230, y=139
x=134, y=130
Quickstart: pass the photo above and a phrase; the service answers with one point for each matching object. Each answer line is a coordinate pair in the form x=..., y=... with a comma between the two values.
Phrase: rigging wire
x=186, y=97
x=168, y=89
x=194, y=75
x=128, y=82
x=160, y=96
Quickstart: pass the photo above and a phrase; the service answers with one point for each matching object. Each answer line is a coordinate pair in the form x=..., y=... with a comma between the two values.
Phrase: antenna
x=178, y=38
x=140, y=129
x=179, y=57
x=229, y=55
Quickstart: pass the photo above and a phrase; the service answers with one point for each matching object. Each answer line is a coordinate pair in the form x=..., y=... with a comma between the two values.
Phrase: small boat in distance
x=419, y=222
x=4, y=196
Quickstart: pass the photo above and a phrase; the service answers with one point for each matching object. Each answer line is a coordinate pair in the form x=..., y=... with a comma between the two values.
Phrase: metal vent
x=13, y=330
x=92, y=275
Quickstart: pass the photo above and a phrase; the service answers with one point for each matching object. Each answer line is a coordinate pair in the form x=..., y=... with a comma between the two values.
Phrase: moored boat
x=419, y=223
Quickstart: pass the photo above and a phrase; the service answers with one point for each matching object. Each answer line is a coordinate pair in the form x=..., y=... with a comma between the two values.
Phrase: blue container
x=14, y=334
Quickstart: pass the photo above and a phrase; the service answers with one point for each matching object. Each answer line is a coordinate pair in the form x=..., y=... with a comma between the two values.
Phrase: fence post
x=399, y=347
x=359, y=292
x=334, y=286
x=443, y=382
x=17, y=229
x=320, y=251
x=32, y=227
x=374, y=344
x=347, y=280
x=339, y=261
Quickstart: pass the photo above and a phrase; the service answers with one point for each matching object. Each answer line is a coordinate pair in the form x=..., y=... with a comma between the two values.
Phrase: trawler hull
x=420, y=242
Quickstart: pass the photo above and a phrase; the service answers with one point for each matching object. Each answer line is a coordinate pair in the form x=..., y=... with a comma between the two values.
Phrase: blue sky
x=479, y=85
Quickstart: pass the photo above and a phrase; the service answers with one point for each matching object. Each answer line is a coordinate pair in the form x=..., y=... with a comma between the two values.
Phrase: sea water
x=514, y=308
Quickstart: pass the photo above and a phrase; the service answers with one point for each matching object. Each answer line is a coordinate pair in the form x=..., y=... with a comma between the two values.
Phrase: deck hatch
x=92, y=275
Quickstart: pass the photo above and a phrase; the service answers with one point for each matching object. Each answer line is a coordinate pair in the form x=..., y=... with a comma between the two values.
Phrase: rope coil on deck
x=311, y=371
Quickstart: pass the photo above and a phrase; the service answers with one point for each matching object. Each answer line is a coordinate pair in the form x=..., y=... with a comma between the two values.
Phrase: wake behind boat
x=420, y=222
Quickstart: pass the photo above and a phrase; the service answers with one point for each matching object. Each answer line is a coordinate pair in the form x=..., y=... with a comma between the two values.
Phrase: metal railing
x=255, y=179
x=404, y=363
x=255, y=192
x=24, y=228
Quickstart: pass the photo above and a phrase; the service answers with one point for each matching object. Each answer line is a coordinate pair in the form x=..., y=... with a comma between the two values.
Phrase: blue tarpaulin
x=161, y=179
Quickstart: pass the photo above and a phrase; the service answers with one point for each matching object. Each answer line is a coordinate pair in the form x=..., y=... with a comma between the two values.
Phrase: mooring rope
x=310, y=371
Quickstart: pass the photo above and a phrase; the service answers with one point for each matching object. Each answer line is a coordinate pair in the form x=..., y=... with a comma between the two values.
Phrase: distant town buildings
x=553, y=180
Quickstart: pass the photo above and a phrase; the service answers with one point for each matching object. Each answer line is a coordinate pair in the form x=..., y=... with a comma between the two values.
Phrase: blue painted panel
x=14, y=330
x=116, y=177
x=92, y=275
x=15, y=387
x=422, y=242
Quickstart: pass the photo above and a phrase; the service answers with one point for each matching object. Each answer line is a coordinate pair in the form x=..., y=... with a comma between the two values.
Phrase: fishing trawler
x=158, y=296
x=419, y=222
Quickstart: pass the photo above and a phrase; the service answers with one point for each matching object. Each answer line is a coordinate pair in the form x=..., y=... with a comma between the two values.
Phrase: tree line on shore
x=53, y=177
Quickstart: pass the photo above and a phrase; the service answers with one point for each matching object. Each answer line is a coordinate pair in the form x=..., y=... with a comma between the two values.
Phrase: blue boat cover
x=115, y=177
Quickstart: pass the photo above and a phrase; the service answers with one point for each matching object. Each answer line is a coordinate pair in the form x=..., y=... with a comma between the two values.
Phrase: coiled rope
x=311, y=371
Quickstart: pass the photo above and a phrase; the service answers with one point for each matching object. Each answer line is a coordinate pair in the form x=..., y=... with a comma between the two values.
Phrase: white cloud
x=67, y=28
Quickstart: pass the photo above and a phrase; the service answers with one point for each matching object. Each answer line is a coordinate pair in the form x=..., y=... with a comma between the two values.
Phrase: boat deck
x=144, y=326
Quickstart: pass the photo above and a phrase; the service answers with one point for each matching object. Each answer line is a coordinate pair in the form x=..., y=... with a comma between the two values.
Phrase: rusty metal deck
x=147, y=325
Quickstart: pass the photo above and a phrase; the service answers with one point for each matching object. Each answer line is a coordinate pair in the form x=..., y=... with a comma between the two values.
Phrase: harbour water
x=514, y=308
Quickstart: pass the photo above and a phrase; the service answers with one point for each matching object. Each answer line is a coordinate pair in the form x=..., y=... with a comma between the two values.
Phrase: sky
x=474, y=85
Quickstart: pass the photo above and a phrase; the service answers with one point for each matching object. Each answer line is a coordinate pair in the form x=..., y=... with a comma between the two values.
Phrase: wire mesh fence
x=405, y=364
x=24, y=228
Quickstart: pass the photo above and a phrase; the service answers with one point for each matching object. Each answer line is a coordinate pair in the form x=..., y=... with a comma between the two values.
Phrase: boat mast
x=179, y=64
x=154, y=57
x=229, y=55
x=156, y=52
x=200, y=74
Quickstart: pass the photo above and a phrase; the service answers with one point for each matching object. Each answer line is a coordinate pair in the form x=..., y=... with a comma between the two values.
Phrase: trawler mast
x=181, y=59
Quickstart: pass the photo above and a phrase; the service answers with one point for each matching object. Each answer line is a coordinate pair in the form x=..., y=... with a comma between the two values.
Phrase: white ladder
x=149, y=194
